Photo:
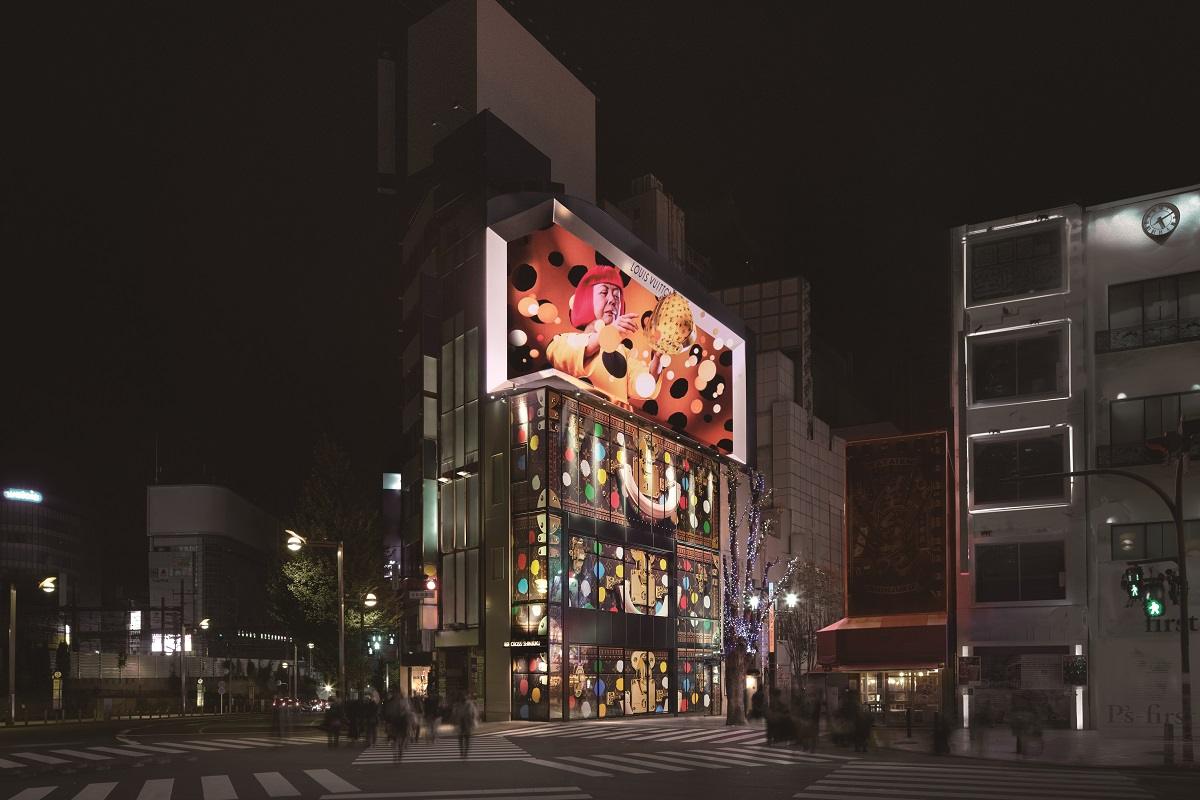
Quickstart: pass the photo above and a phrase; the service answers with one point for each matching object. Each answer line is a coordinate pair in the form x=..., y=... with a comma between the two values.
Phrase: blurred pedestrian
x=417, y=708
x=370, y=711
x=396, y=713
x=863, y=721
x=433, y=714
x=353, y=715
x=466, y=715
x=333, y=722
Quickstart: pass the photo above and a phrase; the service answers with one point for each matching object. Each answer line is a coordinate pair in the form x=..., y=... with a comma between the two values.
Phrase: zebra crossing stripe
x=799, y=758
x=329, y=781
x=541, y=762
x=44, y=759
x=83, y=755
x=157, y=789
x=761, y=758
x=34, y=793
x=154, y=748
x=672, y=758
x=1060, y=775
x=186, y=746
x=217, y=787
x=120, y=751
x=96, y=791
x=647, y=758
x=617, y=767
x=275, y=785
x=6, y=764
x=691, y=759
x=234, y=743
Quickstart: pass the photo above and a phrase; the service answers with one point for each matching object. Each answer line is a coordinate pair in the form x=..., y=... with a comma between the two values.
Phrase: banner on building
x=896, y=525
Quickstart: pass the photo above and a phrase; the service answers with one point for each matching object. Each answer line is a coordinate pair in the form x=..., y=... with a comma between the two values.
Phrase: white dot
x=566, y=479
x=665, y=360
x=535, y=482
x=716, y=408
x=585, y=468
x=707, y=602
x=644, y=384
x=706, y=506
x=670, y=374
x=517, y=338
x=718, y=343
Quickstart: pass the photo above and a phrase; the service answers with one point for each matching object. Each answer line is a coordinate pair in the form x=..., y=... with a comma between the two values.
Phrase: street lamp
x=370, y=600
x=294, y=542
x=204, y=623
x=791, y=598
x=47, y=585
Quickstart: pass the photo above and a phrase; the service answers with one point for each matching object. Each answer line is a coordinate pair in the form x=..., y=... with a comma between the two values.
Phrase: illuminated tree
x=815, y=602
x=746, y=588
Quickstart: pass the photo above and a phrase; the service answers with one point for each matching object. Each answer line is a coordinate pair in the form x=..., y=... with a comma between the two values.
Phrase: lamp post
x=1175, y=507
x=294, y=543
x=47, y=585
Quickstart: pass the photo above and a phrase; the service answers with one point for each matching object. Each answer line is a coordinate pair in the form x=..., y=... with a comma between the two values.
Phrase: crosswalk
x=596, y=765
x=206, y=787
x=443, y=750
x=77, y=756
x=877, y=780
x=634, y=733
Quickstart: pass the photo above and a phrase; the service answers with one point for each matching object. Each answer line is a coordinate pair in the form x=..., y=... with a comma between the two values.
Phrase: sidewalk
x=1081, y=748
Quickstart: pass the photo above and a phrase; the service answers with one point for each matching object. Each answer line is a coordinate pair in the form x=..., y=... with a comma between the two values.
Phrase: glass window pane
x=460, y=513
x=1043, y=571
x=996, y=573
x=429, y=418
x=472, y=584
x=447, y=526
x=471, y=369
x=1190, y=404
x=994, y=374
x=1039, y=456
x=473, y=511
x=1128, y=542
x=448, y=372
x=995, y=462
x=1159, y=300
x=1189, y=296
x=429, y=381
x=472, y=432
x=1038, y=364
x=459, y=370
x=1125, y=305
x=460, y=437
x=1127, y=417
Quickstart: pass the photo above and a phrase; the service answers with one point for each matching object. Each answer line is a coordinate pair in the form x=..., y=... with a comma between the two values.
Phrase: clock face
x=1161, y=220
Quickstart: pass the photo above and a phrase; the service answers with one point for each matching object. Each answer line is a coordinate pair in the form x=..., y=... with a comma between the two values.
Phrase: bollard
x=1168, y=744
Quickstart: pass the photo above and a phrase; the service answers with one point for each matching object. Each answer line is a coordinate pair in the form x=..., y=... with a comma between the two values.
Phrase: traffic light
x=1152, y=600
x=1131, y=583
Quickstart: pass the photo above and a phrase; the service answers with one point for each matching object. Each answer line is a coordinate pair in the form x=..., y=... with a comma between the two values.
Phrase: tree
x=334, y=505
x=746, y=602
x=817, y=604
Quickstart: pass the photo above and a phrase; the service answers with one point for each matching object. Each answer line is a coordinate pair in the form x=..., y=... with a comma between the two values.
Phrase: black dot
x=576, y=274
x=678, y=421
x=729, y=425
x=555, y=258
x=524, y=277
x=679, y=388
x=726, y=358
x=708, y=417
x=602, y=261
x=710, y=391
x=615, y=364
x=624, y=279
x=726, y=445
x=697, y=350
x=628, y=343
x=650, y=407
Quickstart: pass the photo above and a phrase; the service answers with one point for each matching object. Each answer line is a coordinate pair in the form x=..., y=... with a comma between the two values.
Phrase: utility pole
x=182, y=658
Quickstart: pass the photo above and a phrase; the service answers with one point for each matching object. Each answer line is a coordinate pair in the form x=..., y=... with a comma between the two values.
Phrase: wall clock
x=1160, y=220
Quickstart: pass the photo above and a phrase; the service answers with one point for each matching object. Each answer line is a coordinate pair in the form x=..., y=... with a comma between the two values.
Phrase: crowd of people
x=405, y=719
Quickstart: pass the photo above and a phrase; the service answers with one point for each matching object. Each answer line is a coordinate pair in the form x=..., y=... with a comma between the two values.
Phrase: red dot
x=522, y=435
x=614, y=499
x=683, y=501
x=682, y=601
x=568, y=454
x=524, y=686
x=520, y=561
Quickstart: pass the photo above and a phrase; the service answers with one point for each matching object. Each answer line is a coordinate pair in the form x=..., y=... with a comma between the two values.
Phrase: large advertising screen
x=578, y=309
x=896, y=525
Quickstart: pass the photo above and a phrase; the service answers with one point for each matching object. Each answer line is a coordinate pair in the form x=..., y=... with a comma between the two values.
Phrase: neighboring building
x=564, y=494
x=653, y=215
x=210, y=552
x=1077, y=338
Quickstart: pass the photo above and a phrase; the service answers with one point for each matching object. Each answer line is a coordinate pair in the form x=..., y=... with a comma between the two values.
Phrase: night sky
x=193, y=252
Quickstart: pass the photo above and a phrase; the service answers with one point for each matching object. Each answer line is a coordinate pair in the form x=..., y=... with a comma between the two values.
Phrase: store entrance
x=891, y=696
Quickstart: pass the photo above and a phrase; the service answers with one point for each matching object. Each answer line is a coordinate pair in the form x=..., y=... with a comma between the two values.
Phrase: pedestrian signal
x=1152, y=602
x=1132, y=582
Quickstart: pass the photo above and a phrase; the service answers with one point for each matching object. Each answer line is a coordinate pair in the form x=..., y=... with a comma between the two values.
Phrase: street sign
x=220, y=687
x=420, y=594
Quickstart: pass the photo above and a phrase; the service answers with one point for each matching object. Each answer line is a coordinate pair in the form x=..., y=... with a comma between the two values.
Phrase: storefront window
x=530, y=680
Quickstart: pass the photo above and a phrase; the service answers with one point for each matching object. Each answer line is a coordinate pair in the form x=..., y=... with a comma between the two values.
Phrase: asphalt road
x=237, y=757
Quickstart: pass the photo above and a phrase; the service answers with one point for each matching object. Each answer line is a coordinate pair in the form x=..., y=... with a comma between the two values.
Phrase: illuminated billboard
x=576, y=309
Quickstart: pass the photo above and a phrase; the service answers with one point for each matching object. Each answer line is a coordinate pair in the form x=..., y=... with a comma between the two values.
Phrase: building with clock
x=1076, y=334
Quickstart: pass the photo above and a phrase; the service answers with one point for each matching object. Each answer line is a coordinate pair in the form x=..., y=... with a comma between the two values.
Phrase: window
x=1022, y=572
x=1017, y=264
x=1029, y=366
x=1141, y=418
x=1150, y=539
x=998, y=463
x=1152, y=312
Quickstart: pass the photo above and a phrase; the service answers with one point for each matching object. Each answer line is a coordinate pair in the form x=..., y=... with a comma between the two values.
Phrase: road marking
x=648, y=758
x=329, y=781
x=35, y=793
x=617, y=767
x=541, y=762
x=219, y=743
x=118, y=751
x=541, y=793
x=157, y=789
x=275, y=785
x=751, y=757
x=794, y=757
x=95, y=791
x=217, y=787
x=44, y=759
x=191, y=746
x=81, y=754
x=154, y=748
x=6, y=764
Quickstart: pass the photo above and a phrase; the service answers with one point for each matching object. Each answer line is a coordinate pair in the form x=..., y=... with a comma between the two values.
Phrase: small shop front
x=892, y=695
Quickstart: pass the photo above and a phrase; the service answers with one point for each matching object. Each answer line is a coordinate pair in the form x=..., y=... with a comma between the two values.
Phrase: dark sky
x=192, y=249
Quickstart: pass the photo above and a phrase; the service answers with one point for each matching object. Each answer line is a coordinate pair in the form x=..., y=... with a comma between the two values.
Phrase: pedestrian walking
x=353, y=714
x=433, y=714
x=333, y=723
x=370, y=721
x=863, y=720
x=467, y=717
x=417, y=707
x=397, y=714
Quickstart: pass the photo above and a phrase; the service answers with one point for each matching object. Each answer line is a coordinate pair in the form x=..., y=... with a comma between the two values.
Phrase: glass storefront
x=891, y=695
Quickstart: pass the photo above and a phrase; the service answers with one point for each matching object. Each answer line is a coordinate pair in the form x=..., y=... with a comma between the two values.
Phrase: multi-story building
x=571, y=402
x=652, y=213
x=1077, y=338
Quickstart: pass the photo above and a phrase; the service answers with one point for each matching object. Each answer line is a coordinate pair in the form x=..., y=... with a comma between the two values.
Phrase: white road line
x=1041, y=774
x=262, y=740
x=987, y=785
x=234, y=743
x=157, y=789
x=617, y=767
x=155, y=748
x=190, y=746
x=646, y=758
x=541, y=762
x=6, y=764
x=751, y=757
x=975, y=790
x=798, y=758
x=217, y=787
x=869, y=771
x=275, y=785
x=83, y=755
x=673, y=757
x=34, y=793
x=462, y=794
x=119, y=751
x=39, y=757
x=95, y=791
x=329, y=781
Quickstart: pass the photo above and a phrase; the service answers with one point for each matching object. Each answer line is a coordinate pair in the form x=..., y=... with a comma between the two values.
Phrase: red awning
x=893, y=642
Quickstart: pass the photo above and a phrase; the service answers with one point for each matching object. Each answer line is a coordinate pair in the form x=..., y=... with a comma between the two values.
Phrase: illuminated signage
x=524, y=643
x=23, y=495
x=574, y=307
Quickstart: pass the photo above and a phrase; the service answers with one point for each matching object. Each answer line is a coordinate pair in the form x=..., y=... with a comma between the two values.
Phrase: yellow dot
x=666, y=458
x=601, y=475
x=602, y=710
x=620, y=570
x=533, y=442
x=662, y=666
x=536, y=694
x=621, y=456
x=662, y=564
x=535, y=566
x=601, y=594
x=620, y=684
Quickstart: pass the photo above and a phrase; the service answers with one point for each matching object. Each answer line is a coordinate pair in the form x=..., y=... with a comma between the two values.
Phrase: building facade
x=1076, y=340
